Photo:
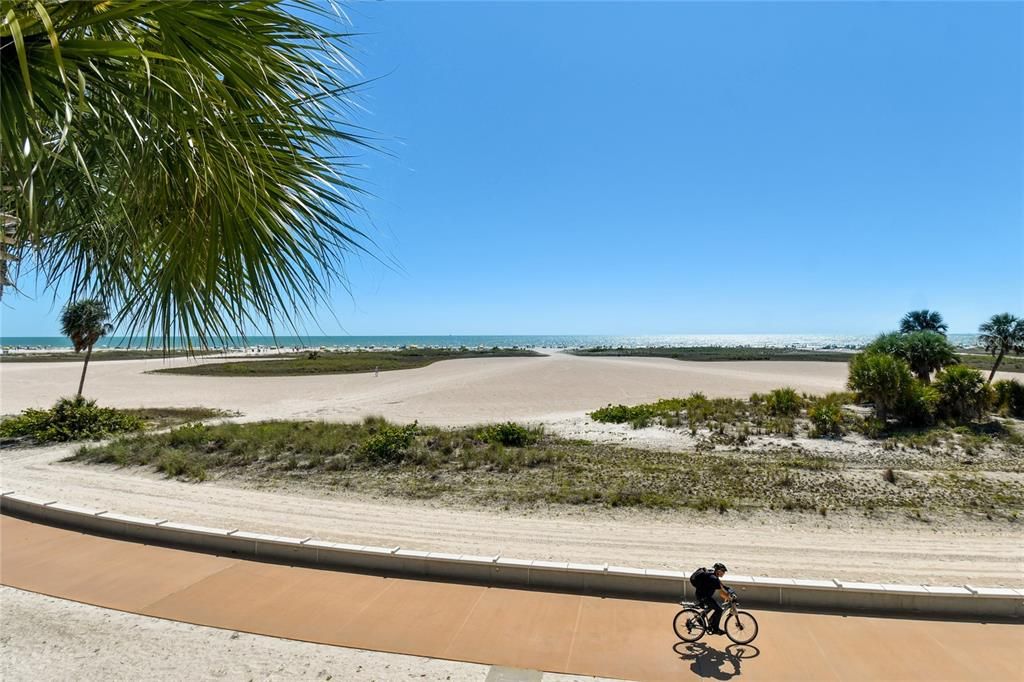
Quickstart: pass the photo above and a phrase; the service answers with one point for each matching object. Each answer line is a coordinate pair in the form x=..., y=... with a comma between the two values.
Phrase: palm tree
x=963, y=394
x=923, y=321
x=192, y=160
x=1002, y=334
x=928, y=352
x=85, y=322
x=925, y=351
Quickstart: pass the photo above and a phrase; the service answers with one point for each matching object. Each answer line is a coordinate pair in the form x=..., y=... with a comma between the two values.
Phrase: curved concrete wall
x=621, y=581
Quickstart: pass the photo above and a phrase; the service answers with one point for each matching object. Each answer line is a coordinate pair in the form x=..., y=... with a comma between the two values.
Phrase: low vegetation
x=938, y=436
x=728, y=420
x=718, y=354
x=70, y=419
x=513, y=465
x=827, y=417
x=75, y=419
x=342, y=362
x=1009, y=363
x=1008, y=398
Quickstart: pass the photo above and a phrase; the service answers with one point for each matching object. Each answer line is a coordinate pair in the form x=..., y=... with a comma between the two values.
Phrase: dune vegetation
x=511, y=465
x=342, y=362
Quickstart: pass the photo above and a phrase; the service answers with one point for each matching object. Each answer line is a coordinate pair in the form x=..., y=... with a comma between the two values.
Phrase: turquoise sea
x=800, y=341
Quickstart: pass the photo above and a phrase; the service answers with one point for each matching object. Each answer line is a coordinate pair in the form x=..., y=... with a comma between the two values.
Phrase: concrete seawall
x=976, y=603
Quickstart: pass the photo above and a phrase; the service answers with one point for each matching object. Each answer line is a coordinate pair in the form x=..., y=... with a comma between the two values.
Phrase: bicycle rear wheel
x=689, y=625
x=741, y=627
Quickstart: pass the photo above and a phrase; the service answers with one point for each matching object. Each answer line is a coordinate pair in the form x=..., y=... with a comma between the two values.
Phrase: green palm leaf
x=190, y=162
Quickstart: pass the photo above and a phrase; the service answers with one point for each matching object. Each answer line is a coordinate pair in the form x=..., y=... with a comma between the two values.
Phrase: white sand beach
x=446, y=393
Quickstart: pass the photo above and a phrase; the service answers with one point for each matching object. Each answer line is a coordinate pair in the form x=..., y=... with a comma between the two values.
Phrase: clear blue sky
x=684, y=168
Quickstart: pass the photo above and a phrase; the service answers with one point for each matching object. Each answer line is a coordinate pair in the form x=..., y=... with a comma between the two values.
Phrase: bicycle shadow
x=707, y=661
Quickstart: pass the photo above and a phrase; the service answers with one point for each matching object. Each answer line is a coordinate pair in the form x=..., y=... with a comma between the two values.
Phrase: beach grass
x=341, y=362
x=737, y=423
x=155, y=418
x=473, y=466
x=1010, y=363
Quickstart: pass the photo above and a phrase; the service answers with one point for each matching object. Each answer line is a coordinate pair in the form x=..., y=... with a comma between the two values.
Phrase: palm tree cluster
x=190, y=161
x=925, y=352
x=895, y=370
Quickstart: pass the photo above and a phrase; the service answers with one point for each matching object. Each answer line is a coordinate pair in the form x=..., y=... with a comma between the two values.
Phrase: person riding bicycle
x=713, y=594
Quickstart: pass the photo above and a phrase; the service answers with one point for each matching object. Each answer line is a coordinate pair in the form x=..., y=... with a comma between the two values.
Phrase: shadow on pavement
x=717, y=664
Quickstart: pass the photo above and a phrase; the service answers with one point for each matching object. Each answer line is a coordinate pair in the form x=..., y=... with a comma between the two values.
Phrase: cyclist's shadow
x=706, y=661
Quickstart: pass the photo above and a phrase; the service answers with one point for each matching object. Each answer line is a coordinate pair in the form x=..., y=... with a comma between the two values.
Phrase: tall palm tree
x=1002, y=334
x=192, y=160
x=85, y=322
x=923, y=321
x=927, y=352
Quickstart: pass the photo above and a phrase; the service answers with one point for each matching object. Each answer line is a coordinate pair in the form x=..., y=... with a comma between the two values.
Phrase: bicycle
x=691, y=623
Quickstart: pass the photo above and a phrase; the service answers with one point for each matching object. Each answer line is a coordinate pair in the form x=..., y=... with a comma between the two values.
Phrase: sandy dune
x=445, y=393
x=546, y=389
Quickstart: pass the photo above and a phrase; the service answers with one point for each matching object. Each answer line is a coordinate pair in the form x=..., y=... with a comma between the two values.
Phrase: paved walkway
x=514, y=628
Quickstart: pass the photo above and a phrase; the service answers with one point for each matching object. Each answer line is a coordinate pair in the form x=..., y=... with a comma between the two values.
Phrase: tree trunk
x=85, y=366
x=996, y=366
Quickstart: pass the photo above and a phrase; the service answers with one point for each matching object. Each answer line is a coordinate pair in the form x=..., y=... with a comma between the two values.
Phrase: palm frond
x=186, y=160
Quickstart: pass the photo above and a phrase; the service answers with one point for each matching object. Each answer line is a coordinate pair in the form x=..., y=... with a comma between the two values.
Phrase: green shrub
x=882, y=379
x=872, y=428
x=188, y=435
x=69, y=419
x=389, y=444
x=841, y=397
x=1009, y=398
x=963, y=393
x=180, y=465
x=622, y=414
x=826, y=419
x=783, y=402
x=511, y=434
x=919, y=405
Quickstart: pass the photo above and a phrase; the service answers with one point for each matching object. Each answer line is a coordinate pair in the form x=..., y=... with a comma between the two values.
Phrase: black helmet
x=720, y=567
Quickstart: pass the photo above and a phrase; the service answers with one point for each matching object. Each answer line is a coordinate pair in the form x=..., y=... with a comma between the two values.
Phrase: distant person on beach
x=376, y=370
x=711, y=593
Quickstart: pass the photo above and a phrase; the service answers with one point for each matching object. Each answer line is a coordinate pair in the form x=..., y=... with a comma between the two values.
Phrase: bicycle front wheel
x=689, y=625
x=741, y=627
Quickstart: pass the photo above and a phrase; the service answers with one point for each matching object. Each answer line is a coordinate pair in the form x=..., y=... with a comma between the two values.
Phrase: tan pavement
x=515, y=628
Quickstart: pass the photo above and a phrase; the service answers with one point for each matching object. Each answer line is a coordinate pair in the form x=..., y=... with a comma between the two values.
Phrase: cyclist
x=712, y=593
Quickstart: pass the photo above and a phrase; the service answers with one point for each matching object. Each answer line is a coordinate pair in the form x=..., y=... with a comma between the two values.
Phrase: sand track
x=846, y=547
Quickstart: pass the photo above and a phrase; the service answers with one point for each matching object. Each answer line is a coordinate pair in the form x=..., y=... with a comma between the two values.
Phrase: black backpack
x=698, y=577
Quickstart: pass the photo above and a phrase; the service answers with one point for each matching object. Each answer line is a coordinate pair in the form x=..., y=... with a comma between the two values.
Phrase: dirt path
x=850, y=547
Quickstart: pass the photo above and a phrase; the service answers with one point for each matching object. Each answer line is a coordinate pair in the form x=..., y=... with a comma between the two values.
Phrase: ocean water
x=797, y=341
